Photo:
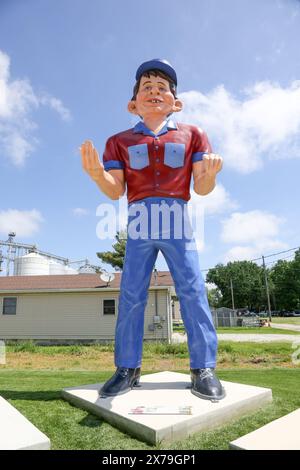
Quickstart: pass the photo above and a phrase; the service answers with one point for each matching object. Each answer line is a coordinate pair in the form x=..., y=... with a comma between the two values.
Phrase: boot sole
x=207, y=397
x=134, y=385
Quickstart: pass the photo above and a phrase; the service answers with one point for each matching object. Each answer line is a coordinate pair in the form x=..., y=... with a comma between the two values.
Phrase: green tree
x=281, y=276
x=247, y=281
x=285, y=276
x=214, y=298
x=115, y=258
x=296, y=277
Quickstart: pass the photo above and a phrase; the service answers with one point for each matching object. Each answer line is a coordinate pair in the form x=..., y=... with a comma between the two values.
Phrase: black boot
x=205, y=384
x=121, y=382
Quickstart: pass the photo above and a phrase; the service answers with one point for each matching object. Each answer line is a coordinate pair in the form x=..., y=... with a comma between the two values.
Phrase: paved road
x=255, y=338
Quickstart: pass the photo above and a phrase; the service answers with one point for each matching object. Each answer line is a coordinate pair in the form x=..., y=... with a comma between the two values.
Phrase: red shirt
x=156, y=165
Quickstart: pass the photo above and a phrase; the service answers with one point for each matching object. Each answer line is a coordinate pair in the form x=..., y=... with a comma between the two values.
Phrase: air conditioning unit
x=156, y=319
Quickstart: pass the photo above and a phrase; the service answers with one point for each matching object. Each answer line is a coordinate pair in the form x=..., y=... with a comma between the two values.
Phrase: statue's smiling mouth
x=154, y=101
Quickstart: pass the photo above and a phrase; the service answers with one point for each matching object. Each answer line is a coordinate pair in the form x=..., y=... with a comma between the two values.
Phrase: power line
x=264, y=285
x=265, y=256
x=280, y=252
x=280, y=259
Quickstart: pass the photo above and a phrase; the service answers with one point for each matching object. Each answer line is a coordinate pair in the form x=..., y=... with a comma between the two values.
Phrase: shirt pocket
x=174, y=154
x=138, y=156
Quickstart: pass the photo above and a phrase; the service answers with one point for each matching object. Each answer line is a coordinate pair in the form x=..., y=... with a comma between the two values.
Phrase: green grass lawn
x=248, y=330
x=37, y=394
x=256, y=330
x=156, y=356
x=288, y=320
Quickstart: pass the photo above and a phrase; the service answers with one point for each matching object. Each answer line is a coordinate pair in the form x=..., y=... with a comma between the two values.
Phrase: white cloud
x=57, y=105
x=240, y=253
x=216, y=202
x=248, y=227
x=265, y=122
x=255, y=233
x=80, y=211
x=24, y=223
x=253, y=252
x=16, y=146
x=18, y=101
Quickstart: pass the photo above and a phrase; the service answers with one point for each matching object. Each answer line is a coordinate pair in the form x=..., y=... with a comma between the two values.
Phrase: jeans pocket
x=138, y=156
x=174, y=154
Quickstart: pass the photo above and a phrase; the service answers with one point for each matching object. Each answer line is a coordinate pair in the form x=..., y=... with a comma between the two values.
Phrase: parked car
x=287, y=313
x=250, y=314
x=242, y=312
x=263, y=314
x=275, y=313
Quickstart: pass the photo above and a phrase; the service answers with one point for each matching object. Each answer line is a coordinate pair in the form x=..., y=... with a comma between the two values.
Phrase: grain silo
x=56, y=268
x=69, y=270
x=31, y=264
x=59, y=268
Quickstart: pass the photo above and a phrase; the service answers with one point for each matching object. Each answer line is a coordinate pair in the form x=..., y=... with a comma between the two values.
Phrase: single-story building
x=76, y=308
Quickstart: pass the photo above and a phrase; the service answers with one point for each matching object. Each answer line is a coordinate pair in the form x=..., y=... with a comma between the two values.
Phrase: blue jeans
x=183, y=263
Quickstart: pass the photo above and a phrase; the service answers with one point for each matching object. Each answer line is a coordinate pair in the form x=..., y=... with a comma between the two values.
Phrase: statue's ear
x=178, y=105
x=132, y=107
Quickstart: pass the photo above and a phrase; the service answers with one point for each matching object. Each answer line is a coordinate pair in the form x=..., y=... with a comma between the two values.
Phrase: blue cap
x=157, y=64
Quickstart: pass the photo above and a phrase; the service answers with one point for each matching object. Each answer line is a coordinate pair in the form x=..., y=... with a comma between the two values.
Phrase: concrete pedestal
x=17, y=433
x=281, y=434
x=168, y=389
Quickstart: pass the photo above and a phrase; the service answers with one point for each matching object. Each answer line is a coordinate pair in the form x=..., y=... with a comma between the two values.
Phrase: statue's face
x=154, y=98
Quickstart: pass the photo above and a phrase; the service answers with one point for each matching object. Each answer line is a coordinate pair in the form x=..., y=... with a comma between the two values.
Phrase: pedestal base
x=281, y=434
x=168, y=389
x=17, y=433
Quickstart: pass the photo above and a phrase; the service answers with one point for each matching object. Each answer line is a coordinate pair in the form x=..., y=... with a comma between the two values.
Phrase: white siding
x=161, y=311
x=72, y=316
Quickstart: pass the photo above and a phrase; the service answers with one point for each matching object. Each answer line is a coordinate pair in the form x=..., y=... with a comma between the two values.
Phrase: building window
x=9, y=306
x=109, y=307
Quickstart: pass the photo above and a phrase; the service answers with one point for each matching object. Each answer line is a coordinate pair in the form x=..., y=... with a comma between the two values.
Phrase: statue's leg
x=138, y=265
x=190, y=288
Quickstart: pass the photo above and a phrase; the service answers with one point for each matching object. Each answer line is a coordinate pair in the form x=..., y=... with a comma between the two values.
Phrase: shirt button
x=157, y=160
x=156, y=147
x=158, y=173
x=157, y=184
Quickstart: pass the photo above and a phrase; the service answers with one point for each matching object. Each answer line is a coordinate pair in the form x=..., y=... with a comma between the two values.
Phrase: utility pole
x=267, y=289
x=232, y=297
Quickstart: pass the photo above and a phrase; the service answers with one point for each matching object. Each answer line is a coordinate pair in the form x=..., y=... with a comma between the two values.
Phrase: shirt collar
x=141, y=128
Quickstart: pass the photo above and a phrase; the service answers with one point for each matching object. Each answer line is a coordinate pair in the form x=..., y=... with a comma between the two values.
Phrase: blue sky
x=66, y=73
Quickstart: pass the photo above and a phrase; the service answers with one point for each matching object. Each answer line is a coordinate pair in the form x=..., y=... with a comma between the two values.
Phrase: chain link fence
x=225, y=317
